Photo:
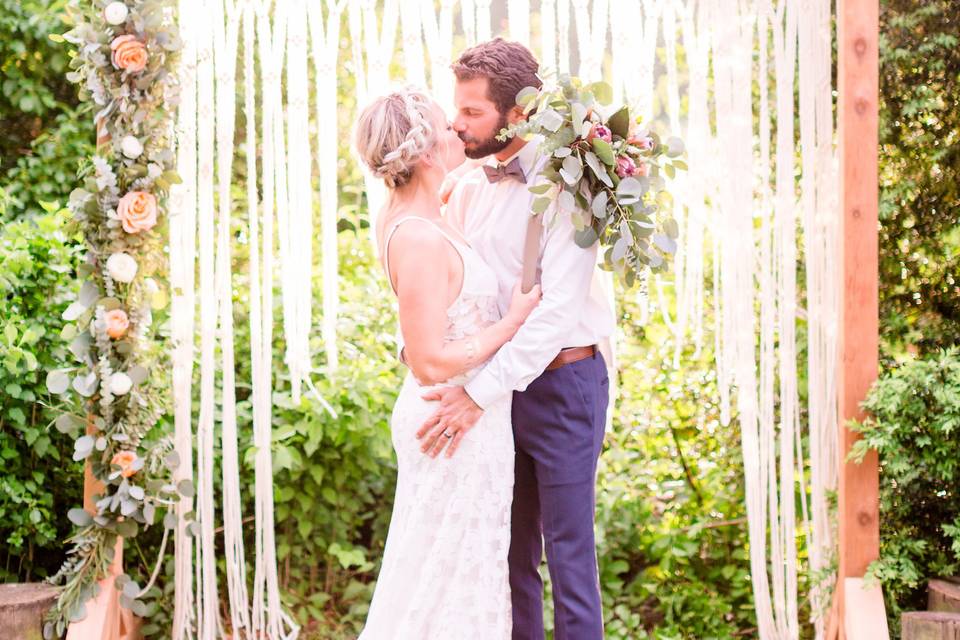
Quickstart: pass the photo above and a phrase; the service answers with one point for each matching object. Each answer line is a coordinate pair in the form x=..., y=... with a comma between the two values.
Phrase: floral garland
x=124, y=62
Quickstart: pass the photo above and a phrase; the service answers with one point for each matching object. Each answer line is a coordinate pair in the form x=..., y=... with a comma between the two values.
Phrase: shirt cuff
x=483, y=389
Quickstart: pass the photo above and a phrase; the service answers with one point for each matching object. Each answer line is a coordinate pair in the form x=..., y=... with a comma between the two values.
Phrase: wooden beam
x=858, y=113
x=866, y=618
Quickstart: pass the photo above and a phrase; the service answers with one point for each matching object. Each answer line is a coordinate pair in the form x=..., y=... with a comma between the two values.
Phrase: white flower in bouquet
x=115, y=13
x=120, y=383
x=131, y=147
x=122, y=267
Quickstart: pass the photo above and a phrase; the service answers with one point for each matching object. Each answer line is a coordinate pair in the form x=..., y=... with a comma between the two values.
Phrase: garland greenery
x=124, y=60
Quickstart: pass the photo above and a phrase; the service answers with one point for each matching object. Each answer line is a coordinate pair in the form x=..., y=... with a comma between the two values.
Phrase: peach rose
x=129, y=53
x=125, y=460
x=117, y=323
x=137, y=211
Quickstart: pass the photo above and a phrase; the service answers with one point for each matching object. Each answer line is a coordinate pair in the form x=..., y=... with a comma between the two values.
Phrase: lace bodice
x=475, y=308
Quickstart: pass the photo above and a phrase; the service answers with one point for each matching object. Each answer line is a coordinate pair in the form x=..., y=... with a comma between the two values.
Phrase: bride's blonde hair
x=394, y=133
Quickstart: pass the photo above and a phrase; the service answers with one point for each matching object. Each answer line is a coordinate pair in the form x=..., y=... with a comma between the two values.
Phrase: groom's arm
x=567, y=271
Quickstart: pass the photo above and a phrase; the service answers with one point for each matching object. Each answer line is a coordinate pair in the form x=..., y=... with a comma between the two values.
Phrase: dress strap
x=386, y=245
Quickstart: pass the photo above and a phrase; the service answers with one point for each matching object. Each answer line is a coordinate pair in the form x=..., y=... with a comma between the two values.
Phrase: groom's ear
x=516, y=115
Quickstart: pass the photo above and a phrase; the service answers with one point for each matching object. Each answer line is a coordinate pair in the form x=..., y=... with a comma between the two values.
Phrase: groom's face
x=478, y=121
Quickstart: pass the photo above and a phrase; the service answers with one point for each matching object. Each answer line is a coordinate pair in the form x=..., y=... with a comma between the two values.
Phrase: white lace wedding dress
x=444, y=574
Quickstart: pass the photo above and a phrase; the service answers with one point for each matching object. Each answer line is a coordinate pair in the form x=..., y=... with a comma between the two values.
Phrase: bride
x=444, y=572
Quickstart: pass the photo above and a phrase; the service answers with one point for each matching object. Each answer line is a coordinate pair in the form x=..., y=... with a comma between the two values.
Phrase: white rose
x=121, y=267
x=131, y=147
x=120, y=383
x=115, y=13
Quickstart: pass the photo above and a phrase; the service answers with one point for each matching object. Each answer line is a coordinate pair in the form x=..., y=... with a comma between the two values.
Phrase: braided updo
x=394, y=132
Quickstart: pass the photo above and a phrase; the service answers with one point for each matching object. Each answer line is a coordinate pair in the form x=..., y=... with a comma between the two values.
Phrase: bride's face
x=449, y=145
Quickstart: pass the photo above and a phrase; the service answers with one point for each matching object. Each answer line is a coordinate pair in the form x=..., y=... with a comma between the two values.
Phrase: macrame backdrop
x=740, y=205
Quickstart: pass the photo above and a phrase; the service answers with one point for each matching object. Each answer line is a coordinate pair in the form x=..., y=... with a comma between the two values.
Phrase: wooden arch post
x=859, y=613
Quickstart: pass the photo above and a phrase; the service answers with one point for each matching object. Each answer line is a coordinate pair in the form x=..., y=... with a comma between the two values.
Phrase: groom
x=552, y=366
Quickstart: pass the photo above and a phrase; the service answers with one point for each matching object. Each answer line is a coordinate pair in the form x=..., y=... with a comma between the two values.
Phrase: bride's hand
x=523, y=304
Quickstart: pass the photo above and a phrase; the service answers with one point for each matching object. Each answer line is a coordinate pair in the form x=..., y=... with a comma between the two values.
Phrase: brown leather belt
x=571, y=355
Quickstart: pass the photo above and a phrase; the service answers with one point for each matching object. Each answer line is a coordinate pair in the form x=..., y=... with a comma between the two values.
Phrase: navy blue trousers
x=558, y=426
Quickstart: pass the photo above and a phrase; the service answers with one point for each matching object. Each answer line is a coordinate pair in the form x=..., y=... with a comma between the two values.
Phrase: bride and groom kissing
x=500, y=421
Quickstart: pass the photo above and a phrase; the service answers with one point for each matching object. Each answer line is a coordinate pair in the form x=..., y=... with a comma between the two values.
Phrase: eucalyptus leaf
x=551, y=120
x=127, y=528
x=604, y=151
x=665, y=243
x=586, y=237
x=79, y=517
x=136, y=492
x=185, y=488
x=566, y=201
x=619, y=122
x=599, y=205
x=138, y=374
x=619, y=249
x=131, y=589
x=671, y=228
x=540, y=189
x=57, y=383
x=149, y=512
x=89, y=293
x=675, y=147
x=602, y=91
x=540, y=205
x=73, y=311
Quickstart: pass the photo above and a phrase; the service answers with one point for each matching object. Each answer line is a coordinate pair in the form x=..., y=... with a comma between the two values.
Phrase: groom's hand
x=456, y=415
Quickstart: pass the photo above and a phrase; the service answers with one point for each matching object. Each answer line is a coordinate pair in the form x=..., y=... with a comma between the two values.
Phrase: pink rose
x=137, y=211
x=129, y=53
x=600, y=131
x=641, y=142
x=625, y=166
x=125, y=460
x=117, y=323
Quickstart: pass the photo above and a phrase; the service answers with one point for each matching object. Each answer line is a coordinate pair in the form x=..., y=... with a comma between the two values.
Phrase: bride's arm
x=421, y=264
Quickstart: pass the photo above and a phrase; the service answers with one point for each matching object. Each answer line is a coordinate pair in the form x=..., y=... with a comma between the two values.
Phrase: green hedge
x=915, y=427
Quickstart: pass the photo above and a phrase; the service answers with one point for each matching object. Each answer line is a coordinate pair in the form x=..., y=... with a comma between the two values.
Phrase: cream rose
x=117, y=323
x=129, y=53
x=120, y=384
x=122, y=267
x=125, y=460
x=131, y=147
x=115, y=13
x=137, y=211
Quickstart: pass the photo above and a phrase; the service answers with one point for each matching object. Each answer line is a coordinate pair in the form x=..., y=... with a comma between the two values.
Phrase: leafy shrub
x=914, y=424
x=40, y=481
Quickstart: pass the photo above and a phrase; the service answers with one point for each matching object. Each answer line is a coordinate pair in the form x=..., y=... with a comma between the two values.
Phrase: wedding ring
x=447, y=434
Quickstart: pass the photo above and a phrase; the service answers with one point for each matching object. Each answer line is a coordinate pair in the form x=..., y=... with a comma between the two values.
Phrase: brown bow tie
x=499, y=172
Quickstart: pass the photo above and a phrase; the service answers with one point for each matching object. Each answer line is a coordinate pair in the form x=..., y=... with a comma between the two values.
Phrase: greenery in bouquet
x=605, y=171
x=124, y=58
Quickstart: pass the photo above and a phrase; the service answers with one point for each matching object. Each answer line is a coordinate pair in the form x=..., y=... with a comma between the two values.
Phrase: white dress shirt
x=574, y=311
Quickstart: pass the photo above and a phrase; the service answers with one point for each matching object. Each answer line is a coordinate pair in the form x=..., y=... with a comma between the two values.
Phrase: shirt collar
x=527, y=155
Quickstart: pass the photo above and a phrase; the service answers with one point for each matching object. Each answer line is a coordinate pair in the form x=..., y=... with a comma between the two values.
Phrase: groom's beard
x=476, y=148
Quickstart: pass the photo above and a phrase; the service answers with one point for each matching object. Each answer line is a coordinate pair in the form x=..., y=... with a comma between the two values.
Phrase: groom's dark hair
x=507, y=66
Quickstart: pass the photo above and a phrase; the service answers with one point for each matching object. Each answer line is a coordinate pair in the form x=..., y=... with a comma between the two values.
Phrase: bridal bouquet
x=604, y=171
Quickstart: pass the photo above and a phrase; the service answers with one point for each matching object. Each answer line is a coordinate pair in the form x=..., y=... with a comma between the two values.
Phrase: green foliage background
x=672, y=542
